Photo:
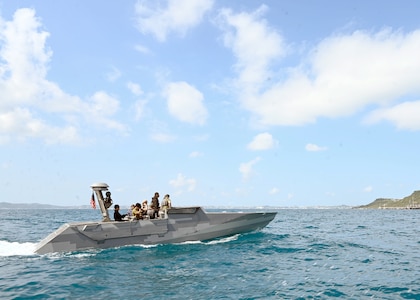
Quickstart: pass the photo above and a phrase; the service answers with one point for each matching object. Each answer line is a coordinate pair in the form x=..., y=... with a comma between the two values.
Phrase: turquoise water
x=302, y=254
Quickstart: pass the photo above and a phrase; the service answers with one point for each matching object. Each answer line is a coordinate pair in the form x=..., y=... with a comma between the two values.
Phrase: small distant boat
x=416, y=206
x=178, y=224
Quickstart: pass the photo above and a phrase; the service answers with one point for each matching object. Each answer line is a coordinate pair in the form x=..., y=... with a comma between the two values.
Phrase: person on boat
x=150, y=213
x=155, y=205
x=117, y=215
x=137, y=212
x=144, y=207
x=147, y=211
x=166, y=204
x=130, y=211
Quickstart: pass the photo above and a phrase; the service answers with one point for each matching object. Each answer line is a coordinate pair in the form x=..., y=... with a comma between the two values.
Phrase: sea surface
x=302, y=254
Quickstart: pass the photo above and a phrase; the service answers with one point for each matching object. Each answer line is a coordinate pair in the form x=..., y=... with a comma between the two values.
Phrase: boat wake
x=213, y=242
x=223, y=240
x=16, y=249
x=28, y=249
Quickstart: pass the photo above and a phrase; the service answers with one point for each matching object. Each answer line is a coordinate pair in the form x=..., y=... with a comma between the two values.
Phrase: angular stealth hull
x=180, y=225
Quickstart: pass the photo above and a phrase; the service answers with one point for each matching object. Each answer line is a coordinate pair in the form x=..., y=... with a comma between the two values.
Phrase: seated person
x=151, y=213
x=130, y=211
x=144, y=207
x=137, y=211
x=129, y=215
x=117, y=215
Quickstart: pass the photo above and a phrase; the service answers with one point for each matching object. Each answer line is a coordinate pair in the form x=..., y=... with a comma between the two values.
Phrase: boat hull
x=181, y=225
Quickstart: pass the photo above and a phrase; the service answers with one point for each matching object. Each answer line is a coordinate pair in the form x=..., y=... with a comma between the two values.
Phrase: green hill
x=409, y=202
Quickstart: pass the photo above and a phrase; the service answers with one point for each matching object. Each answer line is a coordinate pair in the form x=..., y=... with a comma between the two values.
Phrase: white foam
x=212, y=242
x=145, y=246
x=190, y=242
x=224, y=240
x=15, y=248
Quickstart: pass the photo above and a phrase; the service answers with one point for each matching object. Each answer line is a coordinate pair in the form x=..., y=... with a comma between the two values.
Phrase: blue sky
x=238, y=103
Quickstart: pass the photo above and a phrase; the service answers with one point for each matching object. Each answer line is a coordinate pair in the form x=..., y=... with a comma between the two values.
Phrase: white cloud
x=163, y=137
x=342, y=75
x=29, y=101
x=274, y=191
x=314, y=148
x=6, y=165
x=139, y=108
x=142, y=49
x=185, y=103
x=246, y=168
x=246, y=39
x=102, y=106
x=368, y=189
x=140, y=104
x=134, y=88
x=162, y=17
x=181, y=181
x=161, y=132
x=113, y=75
x=404, y=115
x=262, y=141
x=22, y=122
x=196, y=154
x=202, y=138
x=24, y=57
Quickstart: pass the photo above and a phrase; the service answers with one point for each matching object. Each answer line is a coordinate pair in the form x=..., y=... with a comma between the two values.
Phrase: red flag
x=92, y=201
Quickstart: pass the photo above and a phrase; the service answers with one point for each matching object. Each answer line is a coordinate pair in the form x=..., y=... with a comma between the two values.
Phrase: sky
x=217, y=103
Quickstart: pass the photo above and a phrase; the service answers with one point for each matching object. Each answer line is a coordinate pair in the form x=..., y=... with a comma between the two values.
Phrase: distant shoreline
x=409, y=202
x=8, y=205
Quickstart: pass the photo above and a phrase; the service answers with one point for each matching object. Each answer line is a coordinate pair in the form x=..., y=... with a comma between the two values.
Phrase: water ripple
x=303, y=254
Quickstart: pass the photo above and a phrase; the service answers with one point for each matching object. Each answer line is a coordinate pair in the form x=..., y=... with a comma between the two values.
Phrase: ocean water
x=302, y=254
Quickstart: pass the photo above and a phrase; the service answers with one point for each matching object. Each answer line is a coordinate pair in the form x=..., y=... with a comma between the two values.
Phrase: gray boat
x=176, y=225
